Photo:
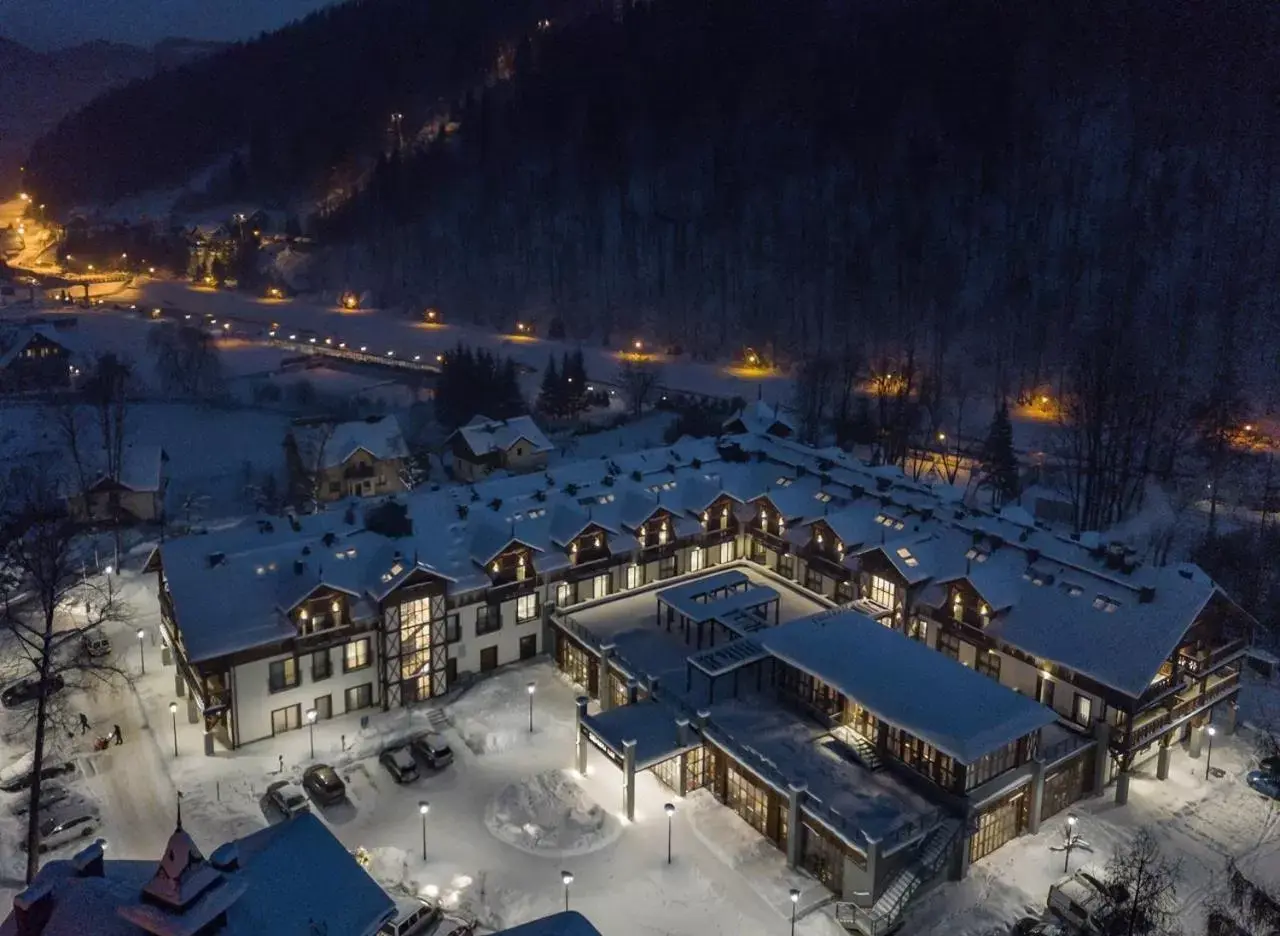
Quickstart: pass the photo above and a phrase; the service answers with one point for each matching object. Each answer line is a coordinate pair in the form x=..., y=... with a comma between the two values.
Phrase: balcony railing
x=1185, y=708
x=1205, y=662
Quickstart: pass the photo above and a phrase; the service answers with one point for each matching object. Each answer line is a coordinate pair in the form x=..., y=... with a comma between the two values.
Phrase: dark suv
x=28, y=690
x=324, y=785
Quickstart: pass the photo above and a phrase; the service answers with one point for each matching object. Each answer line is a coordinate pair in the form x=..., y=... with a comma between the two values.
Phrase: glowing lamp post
x=670, y=810
x=1210, y=731
x=311, y=727
x=531, y=688
x=566, y=877
x=1069, y=843
x=423, y=807
x=795, y=899
x=173, y=713
x=142, y=653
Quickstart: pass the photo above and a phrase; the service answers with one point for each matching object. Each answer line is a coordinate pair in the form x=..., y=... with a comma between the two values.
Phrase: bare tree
x=1148, y=884
x=48, y=629
x=639, y=381
x=813, y=388
x=187, y=360
x=1247, y=908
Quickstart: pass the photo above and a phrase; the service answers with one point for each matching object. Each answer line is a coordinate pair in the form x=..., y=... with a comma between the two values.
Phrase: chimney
x=226, y=857
x=32, y=909
x=684, y=734
x=1146, y=595
x=88, y=861
x=299, y=567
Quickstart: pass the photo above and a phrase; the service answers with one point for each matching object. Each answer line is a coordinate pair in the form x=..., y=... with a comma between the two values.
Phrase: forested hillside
x=985, y=180
x=296, y=104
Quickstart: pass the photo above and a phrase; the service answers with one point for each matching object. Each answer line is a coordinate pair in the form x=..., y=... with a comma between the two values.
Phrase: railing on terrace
x=576, y=630
x=1055, y=752
x=1159, y=687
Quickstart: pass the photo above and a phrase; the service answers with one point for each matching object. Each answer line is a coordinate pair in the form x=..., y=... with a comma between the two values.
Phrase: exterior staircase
x=863, y=750
x=885, y=915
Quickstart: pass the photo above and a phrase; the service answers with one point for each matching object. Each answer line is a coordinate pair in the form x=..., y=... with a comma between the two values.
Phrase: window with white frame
x=527, y=607
x=564, y=594
x=356, y=655
x=726, y=551
x=697, y=557
x=633, y=576
x=883, y=592
x=601, y=586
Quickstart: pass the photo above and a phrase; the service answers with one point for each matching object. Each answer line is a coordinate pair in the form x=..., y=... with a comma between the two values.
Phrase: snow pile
x=548, y=814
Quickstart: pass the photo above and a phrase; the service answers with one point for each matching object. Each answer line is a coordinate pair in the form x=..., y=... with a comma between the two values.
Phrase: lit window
x=633, y=576
x=355, y=655
x=527, y=607
x=1103, y=603
x=823, y=497
x=883, y=592
x=905, y=555
x=563, y=592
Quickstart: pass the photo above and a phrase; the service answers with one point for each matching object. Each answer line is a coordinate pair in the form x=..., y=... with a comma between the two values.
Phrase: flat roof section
x=853, y=800
x=719, y=609
x=651, y=725
x=903, y=682
x=718, y=661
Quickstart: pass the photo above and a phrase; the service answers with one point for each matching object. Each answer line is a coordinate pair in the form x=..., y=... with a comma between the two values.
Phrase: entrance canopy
x=651, y=725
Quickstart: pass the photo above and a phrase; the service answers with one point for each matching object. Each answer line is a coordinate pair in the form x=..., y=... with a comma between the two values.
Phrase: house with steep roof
x=246, y=887
x=486, y=445
x=330, y=461
x=760, y=417
x=134, y=493
x=33, y=358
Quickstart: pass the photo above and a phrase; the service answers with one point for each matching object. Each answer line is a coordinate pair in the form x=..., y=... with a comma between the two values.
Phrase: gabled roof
x=760, y=417
x=484, y=436
x=489, y=540
x=15, y=338
x=568, y=523
x=638, y=507
x=141, y=469
x=963, y=713
x=329, y=445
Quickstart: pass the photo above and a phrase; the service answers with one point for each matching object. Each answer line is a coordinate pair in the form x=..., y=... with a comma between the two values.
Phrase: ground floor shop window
x=1066, y=785
x=668, y=773
x=821, y=857
x=695, y=768
x=748, y=800
x=285, y=719
x=581, y=667
x=619, y=689
x=998, y=824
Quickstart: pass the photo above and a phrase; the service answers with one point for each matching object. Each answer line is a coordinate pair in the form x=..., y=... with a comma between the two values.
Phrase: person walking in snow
x=84, y=723
x=115, y=733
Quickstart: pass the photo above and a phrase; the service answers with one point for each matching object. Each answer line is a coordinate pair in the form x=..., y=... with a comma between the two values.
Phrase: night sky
x=51, y=24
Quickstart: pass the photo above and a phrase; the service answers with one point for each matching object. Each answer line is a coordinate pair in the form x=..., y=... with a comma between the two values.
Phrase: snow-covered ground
x=509, y=815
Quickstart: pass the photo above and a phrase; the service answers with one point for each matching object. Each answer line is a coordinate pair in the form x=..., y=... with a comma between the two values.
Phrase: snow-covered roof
x=760, y=417
x=253, y=880
x=718, y=609
x=485, y=436
x=15, y=338
x=682, y=596
x=568, y=923
x=958, y=711
x=329, y=445
x=651, y=725
x=141, y=468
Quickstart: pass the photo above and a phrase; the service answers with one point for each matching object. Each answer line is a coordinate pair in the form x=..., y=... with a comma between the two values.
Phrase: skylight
x=979, y=555
x=1075, y=591
x=823, y=497
x=1103, y=603
x=910, y=560
x=783, y=481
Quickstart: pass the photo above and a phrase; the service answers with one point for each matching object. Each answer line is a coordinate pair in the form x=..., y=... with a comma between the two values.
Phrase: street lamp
x=1211, y=731
x=670, y=810
x=567, y=878
x=795, y=899
x=142, y=653
x=532, y=688
x=423, y=806
x=311, y=726
x=1069, y=843
x=173, y=712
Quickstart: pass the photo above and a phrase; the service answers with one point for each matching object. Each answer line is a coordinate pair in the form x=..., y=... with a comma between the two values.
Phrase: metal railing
x=1148, y=730
x=1203, y=664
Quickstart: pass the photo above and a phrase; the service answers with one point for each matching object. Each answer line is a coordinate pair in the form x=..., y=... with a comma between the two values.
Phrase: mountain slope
x=302, y=99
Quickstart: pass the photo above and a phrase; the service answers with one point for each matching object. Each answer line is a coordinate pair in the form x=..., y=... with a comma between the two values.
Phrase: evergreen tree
x=552, y=398
x=998, y=463
x=574, y=373
x=509, y=398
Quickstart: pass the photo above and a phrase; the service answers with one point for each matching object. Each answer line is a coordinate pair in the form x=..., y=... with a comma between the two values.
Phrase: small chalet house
x=32, y=359
x=247, y=887
x=135, y=496
x=330, y=461
x=485, y=445
x=760, y=418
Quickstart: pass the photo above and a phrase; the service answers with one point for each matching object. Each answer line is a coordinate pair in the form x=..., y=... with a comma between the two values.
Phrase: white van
x=413, y=917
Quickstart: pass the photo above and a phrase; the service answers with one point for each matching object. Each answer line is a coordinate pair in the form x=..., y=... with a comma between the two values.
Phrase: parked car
x=1270, y=764
x=1268, y=784
x=1080, y=903
x=455, y=926
x=413, y=916
x=400, y=763
x=287, y=796
x=57, y=831
x=433, y=749
x=96, y=645
x=49, y=795
x=324, y=785
x=26, y=691
x=22, y=780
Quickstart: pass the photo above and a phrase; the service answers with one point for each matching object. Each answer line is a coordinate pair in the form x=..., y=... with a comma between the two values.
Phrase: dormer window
x=839, y=546
x=597, y=542
x=662, y=535
x=819, y=539
x=724, y=512
x=764, y=518
x=335, y=607
x=520, y=560
x=494, y=568
x=984, y=610
x=782, y=525
x=705, y=518
x=573, y=547
x=303, y=614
